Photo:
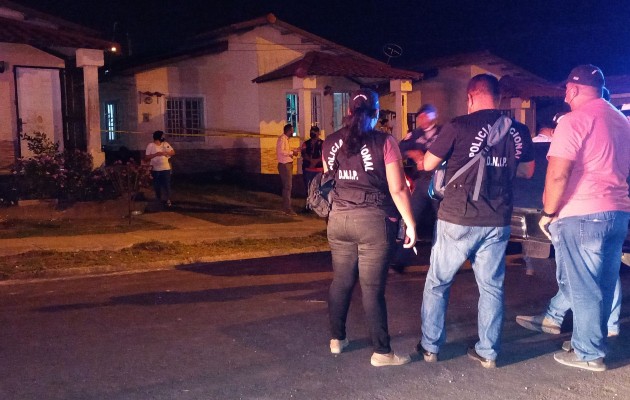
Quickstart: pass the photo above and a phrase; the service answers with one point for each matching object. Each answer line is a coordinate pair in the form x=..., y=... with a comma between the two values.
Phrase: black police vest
x=360, y=179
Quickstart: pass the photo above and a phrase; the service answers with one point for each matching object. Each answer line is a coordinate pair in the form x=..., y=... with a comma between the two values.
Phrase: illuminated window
x=111, y=121
x=184, y=119
x=293, y=112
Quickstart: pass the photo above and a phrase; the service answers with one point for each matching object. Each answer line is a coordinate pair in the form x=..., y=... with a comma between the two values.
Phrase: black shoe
x=486, y=363
x=427, y=355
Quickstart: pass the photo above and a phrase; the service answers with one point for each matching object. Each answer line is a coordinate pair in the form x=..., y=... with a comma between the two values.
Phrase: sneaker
x=571, y=360
x=337, y=346
x=383, y=360
x=427, y=355
x=538, y=323
x=566, y=346
x=486, y=363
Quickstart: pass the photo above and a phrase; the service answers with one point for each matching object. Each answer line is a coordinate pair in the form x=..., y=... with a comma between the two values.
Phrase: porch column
x=400, y=88
x=90, y=60
x=305, y=106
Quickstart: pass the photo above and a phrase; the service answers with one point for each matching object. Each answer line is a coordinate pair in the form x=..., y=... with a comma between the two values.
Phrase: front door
x=39, y=104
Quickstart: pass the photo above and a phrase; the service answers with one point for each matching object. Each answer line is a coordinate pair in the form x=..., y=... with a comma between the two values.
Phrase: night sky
x=547, y=37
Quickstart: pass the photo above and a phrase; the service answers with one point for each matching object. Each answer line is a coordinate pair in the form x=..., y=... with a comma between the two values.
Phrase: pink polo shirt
x=596, y=137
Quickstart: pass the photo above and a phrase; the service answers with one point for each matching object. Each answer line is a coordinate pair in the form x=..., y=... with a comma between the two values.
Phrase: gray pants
x=286, y=177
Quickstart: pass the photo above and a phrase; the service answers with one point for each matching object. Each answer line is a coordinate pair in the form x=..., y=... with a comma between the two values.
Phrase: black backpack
x=319, y=198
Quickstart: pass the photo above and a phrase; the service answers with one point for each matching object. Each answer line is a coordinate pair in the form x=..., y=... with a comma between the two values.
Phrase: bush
x=68, y=175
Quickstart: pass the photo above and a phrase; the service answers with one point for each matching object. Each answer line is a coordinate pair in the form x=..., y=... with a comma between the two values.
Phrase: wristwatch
x=548, y=215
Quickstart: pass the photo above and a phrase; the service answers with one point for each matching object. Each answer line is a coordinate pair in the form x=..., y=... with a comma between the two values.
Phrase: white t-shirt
x=159, y=163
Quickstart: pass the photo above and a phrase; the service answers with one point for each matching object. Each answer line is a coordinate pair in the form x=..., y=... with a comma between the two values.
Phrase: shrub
x=68, y=175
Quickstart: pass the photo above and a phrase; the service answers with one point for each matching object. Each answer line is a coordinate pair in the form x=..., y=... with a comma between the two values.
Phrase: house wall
x=242, y=119
x=447, y=91
x=22, y=55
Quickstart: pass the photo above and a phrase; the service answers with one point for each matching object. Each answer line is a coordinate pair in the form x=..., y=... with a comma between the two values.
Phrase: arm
x=431, y=161
x=149, y=156
x=525, y=169
x=556, y=180
x=402, y=198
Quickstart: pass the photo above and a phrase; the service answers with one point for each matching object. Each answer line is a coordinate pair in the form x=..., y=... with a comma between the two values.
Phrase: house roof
x=284, y=27
x=325, y=64
x=515, y=81
x=512, y=86
x=19, y=24
x=618, y=84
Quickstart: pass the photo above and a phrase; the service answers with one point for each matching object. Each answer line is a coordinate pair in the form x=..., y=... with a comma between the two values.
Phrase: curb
x=104, y=270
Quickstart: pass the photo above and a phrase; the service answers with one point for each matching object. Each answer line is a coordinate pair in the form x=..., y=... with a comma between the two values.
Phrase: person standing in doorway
x=158, y=154
x=285, y=157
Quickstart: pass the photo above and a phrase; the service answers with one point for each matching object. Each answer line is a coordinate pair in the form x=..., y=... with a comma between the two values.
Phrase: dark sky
x=547, y=37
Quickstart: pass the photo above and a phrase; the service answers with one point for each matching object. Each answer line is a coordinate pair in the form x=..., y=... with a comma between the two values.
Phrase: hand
x=544, y=225
x=410, y=237
x=416, y=155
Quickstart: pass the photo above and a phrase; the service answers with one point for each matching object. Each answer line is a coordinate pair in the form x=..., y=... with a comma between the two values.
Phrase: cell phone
x=402, y=230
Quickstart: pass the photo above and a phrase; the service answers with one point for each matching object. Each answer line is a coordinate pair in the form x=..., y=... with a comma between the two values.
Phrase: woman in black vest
x=369, y=196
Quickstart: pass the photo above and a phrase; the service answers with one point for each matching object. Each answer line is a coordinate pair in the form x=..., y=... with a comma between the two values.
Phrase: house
x=224, y=96
x=48, y=82
x=619, y=86
x=445, y=80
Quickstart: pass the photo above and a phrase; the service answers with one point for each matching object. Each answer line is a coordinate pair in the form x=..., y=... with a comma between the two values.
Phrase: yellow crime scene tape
x=208, y=133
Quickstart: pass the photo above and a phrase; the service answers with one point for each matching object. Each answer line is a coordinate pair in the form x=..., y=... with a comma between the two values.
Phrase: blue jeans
x=485, y=248
x=588, y=250
x=559, y=305
x=360, y=242
x=162, y=184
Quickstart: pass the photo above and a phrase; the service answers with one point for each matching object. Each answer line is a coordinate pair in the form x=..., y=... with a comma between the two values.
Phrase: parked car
x=527, y=207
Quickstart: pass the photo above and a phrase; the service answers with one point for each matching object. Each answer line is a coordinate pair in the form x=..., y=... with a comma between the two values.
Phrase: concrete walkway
x=187, y=230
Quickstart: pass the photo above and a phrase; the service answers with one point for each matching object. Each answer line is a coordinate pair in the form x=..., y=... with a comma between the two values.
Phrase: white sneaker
x=337, y=346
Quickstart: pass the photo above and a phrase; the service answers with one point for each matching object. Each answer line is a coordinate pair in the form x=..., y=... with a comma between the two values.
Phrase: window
x=341, y=103
x=293, y=112
x=111, y=121
x=316, y=111
x=184, y=119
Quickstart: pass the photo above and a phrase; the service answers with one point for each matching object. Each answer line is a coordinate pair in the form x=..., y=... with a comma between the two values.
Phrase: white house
x=224, y=97
x=48, y=82
x=445, y=80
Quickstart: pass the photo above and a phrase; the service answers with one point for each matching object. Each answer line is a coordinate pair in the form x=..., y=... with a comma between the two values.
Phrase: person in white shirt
x=285, y=167
x=157, y=154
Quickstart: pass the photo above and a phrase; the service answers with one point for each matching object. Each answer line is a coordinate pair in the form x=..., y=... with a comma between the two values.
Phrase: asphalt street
x=257, y=329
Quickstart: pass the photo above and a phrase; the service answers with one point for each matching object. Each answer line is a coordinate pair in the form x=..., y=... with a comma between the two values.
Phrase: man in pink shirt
x=586, y=209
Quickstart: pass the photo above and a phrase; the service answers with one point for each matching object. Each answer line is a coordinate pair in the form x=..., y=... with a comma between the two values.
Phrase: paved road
x=257, y=329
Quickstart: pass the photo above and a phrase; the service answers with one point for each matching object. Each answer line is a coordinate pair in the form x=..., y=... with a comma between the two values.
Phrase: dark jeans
x=420, y=199
x=421, y=206
x=360, y=241
x=308, y=177
x=162, y=184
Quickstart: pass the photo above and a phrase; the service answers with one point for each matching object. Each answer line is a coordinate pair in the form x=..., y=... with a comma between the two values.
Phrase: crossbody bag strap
x=481, y=155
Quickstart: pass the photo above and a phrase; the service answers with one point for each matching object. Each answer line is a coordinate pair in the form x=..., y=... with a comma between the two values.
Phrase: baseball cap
x=588, y=75
x=427, y=109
